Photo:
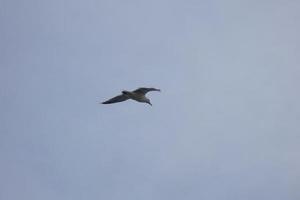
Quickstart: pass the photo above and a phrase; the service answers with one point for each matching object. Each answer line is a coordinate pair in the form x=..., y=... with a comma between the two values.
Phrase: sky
x=225, y=126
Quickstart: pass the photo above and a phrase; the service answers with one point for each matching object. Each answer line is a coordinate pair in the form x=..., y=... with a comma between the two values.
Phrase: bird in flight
x=137, y=95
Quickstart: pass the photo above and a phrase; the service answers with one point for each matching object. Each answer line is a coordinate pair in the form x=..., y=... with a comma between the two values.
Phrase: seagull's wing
x=145, y=90
x=116, y=99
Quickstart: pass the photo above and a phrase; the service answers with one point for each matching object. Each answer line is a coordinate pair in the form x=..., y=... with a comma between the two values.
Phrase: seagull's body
x=137, y=95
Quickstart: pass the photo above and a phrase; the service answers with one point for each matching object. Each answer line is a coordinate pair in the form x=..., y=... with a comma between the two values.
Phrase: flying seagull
x=137, y=95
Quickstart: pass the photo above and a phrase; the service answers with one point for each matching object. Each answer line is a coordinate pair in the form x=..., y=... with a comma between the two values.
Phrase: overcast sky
x=225, y=126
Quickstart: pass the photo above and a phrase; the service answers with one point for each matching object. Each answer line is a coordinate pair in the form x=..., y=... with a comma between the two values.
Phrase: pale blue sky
x=225, y=126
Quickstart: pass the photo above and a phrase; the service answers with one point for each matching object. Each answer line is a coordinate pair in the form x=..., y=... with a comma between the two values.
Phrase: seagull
x=137, y=95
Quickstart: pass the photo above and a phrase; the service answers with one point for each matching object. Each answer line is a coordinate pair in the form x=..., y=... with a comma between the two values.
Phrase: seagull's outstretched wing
x=116, y=99
x=145, y=90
